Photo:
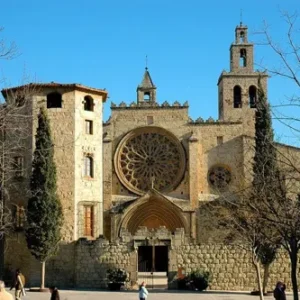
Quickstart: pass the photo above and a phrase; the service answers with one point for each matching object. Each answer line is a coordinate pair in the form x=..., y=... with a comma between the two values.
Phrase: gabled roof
x=52, y=84
x=147, y=82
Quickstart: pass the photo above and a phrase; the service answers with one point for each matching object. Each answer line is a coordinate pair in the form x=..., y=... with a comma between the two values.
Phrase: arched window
x=146, y=96
x=54, y=100
x=237, y=97
x=242, y=37
x=252, y=96
x=243, y=58
x=88, y=103
x=88, y=170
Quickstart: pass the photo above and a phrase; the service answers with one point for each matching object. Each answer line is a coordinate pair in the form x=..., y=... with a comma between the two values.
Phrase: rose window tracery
x=219, y=177
x=150, y=157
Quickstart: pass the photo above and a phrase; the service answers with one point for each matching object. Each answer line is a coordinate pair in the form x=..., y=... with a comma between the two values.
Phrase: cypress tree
x=265, y=164
x=265, y=174
x=44, y=213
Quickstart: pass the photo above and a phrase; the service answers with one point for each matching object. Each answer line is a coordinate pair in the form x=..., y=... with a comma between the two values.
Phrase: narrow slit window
x=88, y=127
x=88, y=167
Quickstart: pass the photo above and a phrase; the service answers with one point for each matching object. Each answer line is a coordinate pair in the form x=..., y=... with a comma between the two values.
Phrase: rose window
x=219, y=177
x=150, y=157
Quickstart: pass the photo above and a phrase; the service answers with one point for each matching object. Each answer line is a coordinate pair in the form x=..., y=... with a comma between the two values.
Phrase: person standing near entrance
x=143, y=293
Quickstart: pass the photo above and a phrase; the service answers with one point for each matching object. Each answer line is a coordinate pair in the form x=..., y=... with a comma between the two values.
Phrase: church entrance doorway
x=153, y=259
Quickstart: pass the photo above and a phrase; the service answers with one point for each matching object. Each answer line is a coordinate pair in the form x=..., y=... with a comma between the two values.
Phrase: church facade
x=131, y=189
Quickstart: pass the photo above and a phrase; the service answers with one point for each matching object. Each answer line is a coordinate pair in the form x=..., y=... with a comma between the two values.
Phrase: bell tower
x=146, y=91
x=237, y=89
x=241, y=52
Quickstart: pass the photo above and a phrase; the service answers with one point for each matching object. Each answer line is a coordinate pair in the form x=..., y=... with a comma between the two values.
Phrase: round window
x=150, y=157
x=219, y=177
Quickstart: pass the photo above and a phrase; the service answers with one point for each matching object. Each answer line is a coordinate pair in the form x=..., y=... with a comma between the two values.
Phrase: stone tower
x=146, y=91
x=75, y=116
x=238, y=87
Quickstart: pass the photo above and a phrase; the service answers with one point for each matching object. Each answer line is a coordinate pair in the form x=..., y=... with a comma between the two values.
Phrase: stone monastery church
x=131, y=187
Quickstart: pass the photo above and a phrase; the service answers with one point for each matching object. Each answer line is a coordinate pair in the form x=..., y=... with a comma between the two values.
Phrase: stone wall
x=230, y=266
x=93, y=258
x=84, y=264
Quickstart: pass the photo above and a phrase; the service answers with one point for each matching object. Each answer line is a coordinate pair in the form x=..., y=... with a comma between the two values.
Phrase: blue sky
x=103, y=44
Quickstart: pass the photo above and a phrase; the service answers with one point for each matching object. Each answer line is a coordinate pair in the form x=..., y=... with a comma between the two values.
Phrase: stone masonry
x=132, y=188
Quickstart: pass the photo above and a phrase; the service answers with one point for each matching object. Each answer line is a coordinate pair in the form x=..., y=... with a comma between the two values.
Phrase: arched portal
x=153, y=216
x=149, y=216
x=153, y=211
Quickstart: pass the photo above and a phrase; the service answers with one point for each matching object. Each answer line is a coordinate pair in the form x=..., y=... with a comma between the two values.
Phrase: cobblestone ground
x=89, y=295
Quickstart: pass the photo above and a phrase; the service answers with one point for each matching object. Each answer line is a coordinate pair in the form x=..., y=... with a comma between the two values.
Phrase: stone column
x=196, y=186
x=195, y=168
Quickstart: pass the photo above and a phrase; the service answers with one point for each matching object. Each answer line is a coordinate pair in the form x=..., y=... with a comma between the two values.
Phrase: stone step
x=154, y=274
x=157, y=280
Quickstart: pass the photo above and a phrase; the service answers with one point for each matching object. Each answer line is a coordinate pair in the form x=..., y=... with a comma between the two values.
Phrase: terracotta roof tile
x=74, y=86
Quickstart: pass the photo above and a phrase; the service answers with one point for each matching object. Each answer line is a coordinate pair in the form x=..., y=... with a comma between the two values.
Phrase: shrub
x=116, y=275
x=199, y=279
x=183, y=283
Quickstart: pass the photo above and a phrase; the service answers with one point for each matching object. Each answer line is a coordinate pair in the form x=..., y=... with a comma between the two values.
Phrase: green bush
x=116, y=275
x=199, y=279
x=183, y=283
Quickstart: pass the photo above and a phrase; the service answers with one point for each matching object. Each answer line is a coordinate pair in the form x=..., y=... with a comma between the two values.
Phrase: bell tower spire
x=241, y=51
x=238, y=87
x=146, y=90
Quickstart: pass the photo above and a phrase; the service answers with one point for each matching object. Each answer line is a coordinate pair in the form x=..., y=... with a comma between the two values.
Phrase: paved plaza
x=153, y=295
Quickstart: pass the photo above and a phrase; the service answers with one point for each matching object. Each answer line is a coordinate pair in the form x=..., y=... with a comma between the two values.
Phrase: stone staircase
x=154, y=280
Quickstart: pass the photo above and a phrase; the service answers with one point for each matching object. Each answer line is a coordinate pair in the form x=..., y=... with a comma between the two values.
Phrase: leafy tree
x=284, y=213
x=14, y=132
x=44, y=208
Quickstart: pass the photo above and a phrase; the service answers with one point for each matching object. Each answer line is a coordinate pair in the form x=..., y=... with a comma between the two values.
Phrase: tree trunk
x=43, y=275
x=257, y=269
x=2, y=242
x=266, y=277
x=294, y=257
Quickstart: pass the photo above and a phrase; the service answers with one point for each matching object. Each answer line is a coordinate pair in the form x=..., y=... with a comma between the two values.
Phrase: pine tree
x=44, y=214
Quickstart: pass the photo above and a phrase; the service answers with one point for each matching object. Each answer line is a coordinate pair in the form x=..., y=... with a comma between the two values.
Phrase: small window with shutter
x=89, y=220
x=19, y=217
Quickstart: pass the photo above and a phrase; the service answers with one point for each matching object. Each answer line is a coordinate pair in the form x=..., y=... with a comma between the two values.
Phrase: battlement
x=212, y=121
x=149, y=105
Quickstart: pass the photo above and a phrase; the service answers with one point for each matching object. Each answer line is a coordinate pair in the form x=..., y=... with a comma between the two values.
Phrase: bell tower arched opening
x=146, y=91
